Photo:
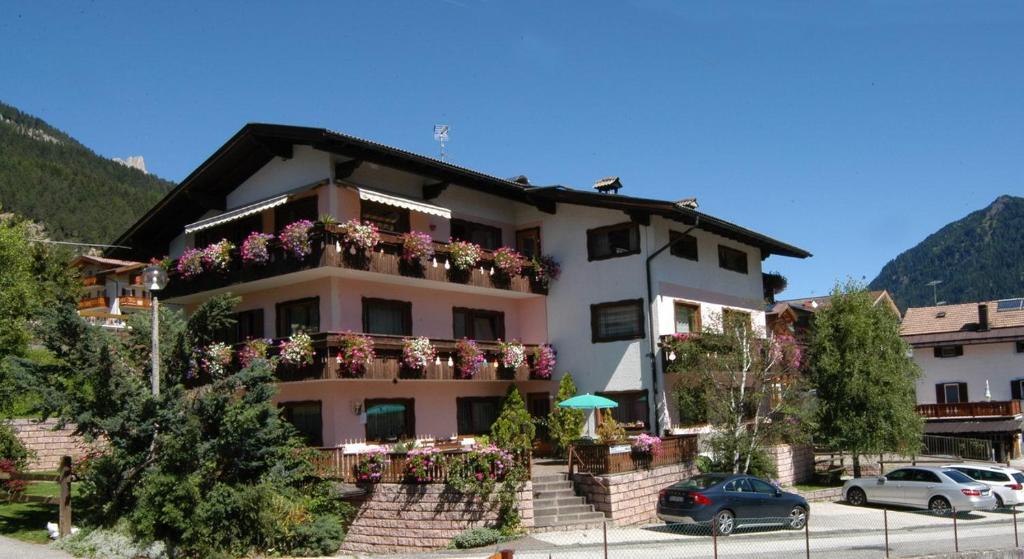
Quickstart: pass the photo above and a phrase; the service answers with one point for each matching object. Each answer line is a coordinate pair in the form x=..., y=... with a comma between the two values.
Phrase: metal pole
x=807, y=534
x=1016, y=542
x=605, y=527
x=714, y=535
x=155, y=374
x=885, y=522
x=956, y=539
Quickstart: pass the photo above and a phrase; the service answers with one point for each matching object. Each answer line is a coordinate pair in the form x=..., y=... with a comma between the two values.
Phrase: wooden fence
x=332, y=463
x=601, y=459
x=63, y=500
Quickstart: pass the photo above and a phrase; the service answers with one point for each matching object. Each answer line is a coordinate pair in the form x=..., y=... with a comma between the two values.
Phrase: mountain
x=978, y=258
x=49, y=177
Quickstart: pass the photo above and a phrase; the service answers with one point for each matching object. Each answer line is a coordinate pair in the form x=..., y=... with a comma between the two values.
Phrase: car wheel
x=797, y=518
x=723, y=524
x=999, y=502
x=939, y=505
x=856, y=497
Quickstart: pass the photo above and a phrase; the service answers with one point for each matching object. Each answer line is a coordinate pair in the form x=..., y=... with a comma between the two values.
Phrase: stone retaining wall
x=49, y=445
x=630, y=498
x=403, y=518
x=793, y=463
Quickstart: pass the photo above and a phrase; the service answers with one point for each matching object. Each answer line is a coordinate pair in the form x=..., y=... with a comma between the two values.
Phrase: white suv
x=1007, y=484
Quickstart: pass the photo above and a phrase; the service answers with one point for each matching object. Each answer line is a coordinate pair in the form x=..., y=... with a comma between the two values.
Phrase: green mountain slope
x=980, y=257
x=49, y=177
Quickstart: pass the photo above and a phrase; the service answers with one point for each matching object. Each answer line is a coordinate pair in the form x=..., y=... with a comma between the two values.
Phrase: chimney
x=982, y=317
x=608, y=184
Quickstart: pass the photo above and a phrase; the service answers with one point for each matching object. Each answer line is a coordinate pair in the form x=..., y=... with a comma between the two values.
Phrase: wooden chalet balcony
x=1006, y=408
x=385, y=259
x=387, y=365
x=92, y=303
x=89, y=281
x=135, y=302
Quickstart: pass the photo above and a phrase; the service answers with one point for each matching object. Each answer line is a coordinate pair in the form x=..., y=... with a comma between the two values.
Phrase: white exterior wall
x=306, y=166
x=998, y=363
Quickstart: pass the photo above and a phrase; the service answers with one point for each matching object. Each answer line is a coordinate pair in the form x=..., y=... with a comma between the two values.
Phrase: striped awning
x=237, y=213
x=399, y=202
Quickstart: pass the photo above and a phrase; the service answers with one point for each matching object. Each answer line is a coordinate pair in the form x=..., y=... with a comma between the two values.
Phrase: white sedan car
x=936, y=489
x=1007, y=484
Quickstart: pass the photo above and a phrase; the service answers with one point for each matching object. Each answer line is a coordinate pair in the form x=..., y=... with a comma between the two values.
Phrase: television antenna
x=441, y=135
x=935, y=292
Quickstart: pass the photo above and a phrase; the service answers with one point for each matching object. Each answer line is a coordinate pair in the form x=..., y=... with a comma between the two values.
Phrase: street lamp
x=155, y=278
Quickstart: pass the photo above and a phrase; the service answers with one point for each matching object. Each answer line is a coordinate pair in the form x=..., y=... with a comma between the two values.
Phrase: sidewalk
x=14, y=549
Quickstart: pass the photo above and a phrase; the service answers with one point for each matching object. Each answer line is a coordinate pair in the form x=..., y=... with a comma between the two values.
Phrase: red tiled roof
x=957, y=318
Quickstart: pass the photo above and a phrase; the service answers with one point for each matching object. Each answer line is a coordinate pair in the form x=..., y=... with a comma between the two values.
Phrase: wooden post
x=64, y=509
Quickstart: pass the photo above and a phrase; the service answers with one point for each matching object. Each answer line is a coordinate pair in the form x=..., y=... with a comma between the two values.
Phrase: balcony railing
x=602, y=459
x=89, y=281
x=1006, y=408
x=385, y=259
x=132, y=301
x=92, y=303
x=333, y=463
x=387, y=362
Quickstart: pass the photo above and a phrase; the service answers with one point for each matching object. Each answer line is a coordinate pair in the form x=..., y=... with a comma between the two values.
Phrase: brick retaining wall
x=793, y=463
x=630, y=498
x=47, y=444
x=403, y=518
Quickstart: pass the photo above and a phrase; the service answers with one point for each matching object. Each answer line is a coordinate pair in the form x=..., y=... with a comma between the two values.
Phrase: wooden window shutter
x=963, y=392
x=1015, y=389
x=940, y=394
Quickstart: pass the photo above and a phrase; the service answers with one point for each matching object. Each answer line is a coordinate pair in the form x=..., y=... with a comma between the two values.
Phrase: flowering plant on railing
x=647, y=444
x=256, y=248
x=254, y=349
x=544, y=270
x=479, y=469
x=215, y=359
x=511, y=354
x=217, y=256
x=464, y=255
x=190, y=264
x=420, y=462
x=508, y=261
x=295, y=238
x=417, y=353
x=297, y=350
x=417, y=247
x=468, y=358
x=355, y=352
x=544, y=358
x=371, y=467
x=359, y=237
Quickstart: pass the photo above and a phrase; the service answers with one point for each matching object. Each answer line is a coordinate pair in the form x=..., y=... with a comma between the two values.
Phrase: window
x=928, y=477
x=477, y=324
x=302, y=315
x=248, y=325
x=385, y=316
x=307, y=418
x=621, y=320
x=739, y=486
x=1017, y=389
x=476, y=415
x=303, y=208
x=686, y=248
x=613, y=241
x=687, y=318
x=235, y=231
x=732, y=318
x=951, y=392
x=484, y=235
x=732, y=259
x=1020, y=347
x=944, y=351
x=528, y=242
x=390, y=419
x=899, y=475
x=539, y=406
x=632, y=408
x=387, y=218
x=762, y=487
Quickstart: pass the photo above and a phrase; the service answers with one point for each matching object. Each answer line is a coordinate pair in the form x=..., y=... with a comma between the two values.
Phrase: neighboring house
x=597, y=314
x=794, y=316
x=111, y=289
x=972, y=362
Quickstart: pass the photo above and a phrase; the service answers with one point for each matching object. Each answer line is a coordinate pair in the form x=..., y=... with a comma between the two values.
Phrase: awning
x=237, y=213
x=951, y=427
x=399, y=202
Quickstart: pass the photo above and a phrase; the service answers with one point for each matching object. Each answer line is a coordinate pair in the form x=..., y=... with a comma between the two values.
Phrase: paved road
x=14, y=549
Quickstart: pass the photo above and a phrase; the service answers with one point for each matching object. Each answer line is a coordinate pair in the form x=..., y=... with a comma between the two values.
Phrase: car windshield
x=698, y=482
x=958, y=477
x=1018, y=477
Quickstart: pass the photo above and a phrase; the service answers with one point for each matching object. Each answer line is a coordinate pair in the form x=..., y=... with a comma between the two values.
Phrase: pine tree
x=565, y=424
x=514, y=429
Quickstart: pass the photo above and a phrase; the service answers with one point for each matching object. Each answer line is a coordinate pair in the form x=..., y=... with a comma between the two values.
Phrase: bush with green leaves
x=514, y=430
x=476, y=537
x=109, y=543
x=565, y=424
x=11, y=447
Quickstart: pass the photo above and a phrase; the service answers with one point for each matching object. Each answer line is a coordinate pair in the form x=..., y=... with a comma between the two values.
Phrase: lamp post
x=155, y=278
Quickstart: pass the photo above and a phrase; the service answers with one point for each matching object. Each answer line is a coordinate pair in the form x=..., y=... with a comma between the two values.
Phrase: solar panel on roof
x=1010, y=305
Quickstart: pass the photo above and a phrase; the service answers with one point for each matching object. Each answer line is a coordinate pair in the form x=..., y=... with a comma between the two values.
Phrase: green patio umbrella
x=588, y=402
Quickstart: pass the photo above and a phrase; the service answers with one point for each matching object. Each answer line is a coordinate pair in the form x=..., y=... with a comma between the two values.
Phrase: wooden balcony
x=93, y=302
x=387, y=364
x=1008, y=408
x=599, y=459
x=128, y=301
x=89, y=281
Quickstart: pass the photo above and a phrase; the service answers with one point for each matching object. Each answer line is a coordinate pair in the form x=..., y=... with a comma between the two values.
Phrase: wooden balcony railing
x=92, y=303
x=387, y=362
x=135, y=302
x=89, y=281
x=1007, y=408
x=333, y=463
x=598, y=459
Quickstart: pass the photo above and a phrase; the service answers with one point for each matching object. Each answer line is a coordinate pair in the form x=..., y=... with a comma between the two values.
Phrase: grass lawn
x=27, y=521
x=805, y=487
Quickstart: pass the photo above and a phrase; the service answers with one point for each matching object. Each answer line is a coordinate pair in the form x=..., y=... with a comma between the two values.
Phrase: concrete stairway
x=556, y=506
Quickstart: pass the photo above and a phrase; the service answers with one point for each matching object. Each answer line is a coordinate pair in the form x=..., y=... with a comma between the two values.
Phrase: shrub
x=610, y=431
x=109, y=543
x=12, y=449
x=565, y=424
x=419, y=464
x=513, y=430
x=253, y=349
x=476, y=537
x=216, y=358
x=319, y=536
x=648, y=444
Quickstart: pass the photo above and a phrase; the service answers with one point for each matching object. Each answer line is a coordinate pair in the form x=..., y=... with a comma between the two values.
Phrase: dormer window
x=946, y=351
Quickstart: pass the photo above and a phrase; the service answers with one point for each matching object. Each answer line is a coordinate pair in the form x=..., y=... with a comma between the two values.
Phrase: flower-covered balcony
x=351, y=356
x=93, y=303
x=357, y=250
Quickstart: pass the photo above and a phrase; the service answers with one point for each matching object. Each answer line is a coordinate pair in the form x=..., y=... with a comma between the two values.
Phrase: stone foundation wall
x=630, y=498
x=403, y=518
x=47, y=444
x=793, y=463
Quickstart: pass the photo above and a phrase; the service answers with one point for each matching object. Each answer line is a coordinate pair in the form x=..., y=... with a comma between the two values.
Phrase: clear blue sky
x=850, y=130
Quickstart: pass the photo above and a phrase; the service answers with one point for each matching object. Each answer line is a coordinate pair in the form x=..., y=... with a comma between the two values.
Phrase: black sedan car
x=727, y=501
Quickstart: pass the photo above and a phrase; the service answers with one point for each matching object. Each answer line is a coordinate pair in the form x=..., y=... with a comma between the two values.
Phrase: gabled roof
x=255, y=145
x=115, y=264
x=813, y=304
x=961, y=318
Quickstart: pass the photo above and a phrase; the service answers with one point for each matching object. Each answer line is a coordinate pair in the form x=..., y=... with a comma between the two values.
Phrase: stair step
x=554, y=494
x=538, y=529
x=562, y=511
x=551, y=485
x=558, y=502
x=548, y=478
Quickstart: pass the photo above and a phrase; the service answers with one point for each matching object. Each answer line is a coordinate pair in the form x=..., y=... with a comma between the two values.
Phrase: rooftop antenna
x=441, y=135
x=935, y=292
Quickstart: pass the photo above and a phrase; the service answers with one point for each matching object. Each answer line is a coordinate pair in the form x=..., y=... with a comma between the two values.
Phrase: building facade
x=111, y=290
x=619, y=289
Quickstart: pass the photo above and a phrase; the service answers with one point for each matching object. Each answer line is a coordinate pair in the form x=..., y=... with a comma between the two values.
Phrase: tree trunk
x=856, y=465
